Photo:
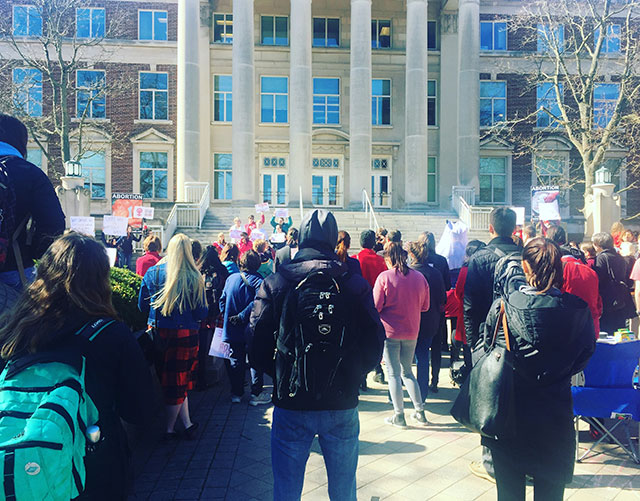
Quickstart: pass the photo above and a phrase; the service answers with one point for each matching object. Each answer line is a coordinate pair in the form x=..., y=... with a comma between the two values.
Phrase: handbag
x=485, y=403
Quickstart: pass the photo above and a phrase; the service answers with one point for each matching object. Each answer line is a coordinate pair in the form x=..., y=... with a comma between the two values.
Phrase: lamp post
x=603, y=175
x=72, y=168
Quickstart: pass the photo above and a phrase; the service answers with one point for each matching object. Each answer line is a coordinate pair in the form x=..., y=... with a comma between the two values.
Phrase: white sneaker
x=419, y=418
x=262, y=399
x=235, y=399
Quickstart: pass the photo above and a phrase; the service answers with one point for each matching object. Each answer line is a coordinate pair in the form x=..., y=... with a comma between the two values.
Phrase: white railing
x=301, y=206
x=367, y=207
x=189, y=214
x=468, y=193
x=156, y=229
x=476, y=218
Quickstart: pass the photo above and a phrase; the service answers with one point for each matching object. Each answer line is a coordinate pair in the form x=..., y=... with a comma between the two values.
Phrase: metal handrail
x=367, y=206
x=301, y=206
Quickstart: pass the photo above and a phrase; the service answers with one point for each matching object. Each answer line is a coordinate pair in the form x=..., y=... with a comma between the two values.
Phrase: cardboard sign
x=84, y=225
x=278, y=238
x=257, y=235
x=262, y=207
x=284, y=213
x=542, y=194
x=143, y=212
x=519, y=215
x=112, y=254
x=549, y=211
x=123, y=204
x=218, y=347
x=115, y=225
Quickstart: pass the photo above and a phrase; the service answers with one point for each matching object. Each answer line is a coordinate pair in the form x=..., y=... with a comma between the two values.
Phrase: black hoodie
x=318, y=236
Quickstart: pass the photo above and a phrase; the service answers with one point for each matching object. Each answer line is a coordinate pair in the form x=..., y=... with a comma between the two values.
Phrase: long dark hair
x=342, y=247
x=72, y=275
x=210, y=263
x=545, y=260
x=230, y=252
x=419, y=250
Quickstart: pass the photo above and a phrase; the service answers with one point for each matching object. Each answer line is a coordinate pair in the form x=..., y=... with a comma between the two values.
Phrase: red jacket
x=459, y=295
x=580, y=280
x=371, y=265
x=147, y=261
x=242, y=247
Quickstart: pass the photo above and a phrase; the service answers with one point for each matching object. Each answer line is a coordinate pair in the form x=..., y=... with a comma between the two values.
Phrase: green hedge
x=125, y=286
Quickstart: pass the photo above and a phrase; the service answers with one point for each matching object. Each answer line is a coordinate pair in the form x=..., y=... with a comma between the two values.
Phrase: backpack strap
x=90, y=330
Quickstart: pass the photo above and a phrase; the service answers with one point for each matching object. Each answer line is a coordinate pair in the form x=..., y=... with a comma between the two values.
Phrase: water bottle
x=93, y=434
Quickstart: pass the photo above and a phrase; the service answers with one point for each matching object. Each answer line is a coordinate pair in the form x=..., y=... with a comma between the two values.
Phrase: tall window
x=605, y=97
x=380, y=34
x=154, y=174
x=432, y=180
x=34, y=155
x=326, y=101
x=381, y=102
x=90, y=22
x=222, y=176
x=94, y=172
x=326, y=32
x=611, y=40
x=493, y=180
x=432, y=102
x=223, y=28
x=549, y=170
x=154, y=96
x=275, y=30
x=222, y=98
x=90, y=94
x=493, y=103
x=152, y=24
x=27, y=91
x=432, y=35
x=548, y=106
x=550, y=37
x=274, y=100
x=27, y=21
x=493, y=35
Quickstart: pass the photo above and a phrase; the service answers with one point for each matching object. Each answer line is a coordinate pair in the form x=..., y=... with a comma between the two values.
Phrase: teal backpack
x=44, y=416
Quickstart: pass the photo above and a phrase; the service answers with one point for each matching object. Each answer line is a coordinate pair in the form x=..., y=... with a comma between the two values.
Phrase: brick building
x=323, y=99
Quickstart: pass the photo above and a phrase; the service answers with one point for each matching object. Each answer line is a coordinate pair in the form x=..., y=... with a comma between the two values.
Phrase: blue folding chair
x=608, y=392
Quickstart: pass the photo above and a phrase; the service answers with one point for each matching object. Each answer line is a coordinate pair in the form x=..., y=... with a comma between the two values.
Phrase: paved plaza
x=230, y=458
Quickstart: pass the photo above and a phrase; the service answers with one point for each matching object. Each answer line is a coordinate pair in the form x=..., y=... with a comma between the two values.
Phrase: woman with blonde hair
x=173, y=293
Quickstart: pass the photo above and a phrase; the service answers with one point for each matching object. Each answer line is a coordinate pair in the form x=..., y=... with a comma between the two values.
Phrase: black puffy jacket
x=478, y=289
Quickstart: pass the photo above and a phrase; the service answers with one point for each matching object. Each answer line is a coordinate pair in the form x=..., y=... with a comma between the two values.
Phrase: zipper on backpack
x=32, y=443
x=69, y=383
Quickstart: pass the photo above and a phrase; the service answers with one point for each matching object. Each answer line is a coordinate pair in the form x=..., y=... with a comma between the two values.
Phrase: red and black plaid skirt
x=177, y=372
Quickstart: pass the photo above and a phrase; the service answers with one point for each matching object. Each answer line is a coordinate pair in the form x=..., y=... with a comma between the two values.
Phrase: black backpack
x=313, y=340
x=508, y=275
x=7, y=213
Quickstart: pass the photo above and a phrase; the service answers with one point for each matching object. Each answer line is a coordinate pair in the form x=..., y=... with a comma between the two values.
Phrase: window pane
x=431, y=88
x=316, y=190
x=160, y=25
x=97, y=23
x=218, y=28
x=319, y=34
x=266, y=109
x=266, y=188
x=282, y=36
x=83, y=21
x=229, y=115
x=20, y=20
x=485, y=189
x=485, y=112
x=146, y=104
x=281, y=109
x=218, y=108
x=267, y=30
x=333, y=32
x=274, y=84
x=35, y=22
x=384, y=34
x=486, y=36
x=145, y=25
x=160, y=180
x=499, y=110
x=492, y=165
x=34, y=155
x=223, y=83
x=386, y=111
x=432, y=35
x=500, y=36
x=162, y=111
x=146, y=183
x=281, y=189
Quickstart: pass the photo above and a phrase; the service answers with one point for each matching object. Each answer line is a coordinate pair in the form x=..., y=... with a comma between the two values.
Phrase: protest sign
x=549, y=211
x=235, y=235
x=111, y=253
x=264, y=207
x=218, y=347
x=543, y=194
x=84, y=225
x=278, y=238
x=143, y=212
x=257, y=235
x=123, y=204
x=282, y=212
x=519, y=215
x=115, y=225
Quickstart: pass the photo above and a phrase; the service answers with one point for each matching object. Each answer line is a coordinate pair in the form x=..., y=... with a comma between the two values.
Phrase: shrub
x=125, y=286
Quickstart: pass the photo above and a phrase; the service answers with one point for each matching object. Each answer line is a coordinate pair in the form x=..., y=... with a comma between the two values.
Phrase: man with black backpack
x=316, y=332
x=25, y=194
x=479, y=295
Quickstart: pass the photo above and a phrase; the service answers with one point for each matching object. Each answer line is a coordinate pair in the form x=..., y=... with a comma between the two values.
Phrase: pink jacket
x=400, y=299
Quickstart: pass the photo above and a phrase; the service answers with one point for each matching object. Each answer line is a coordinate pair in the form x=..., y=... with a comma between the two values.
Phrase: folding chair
x=608, y=392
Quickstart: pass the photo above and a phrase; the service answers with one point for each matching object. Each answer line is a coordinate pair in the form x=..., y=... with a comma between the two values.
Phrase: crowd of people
x=294, y=305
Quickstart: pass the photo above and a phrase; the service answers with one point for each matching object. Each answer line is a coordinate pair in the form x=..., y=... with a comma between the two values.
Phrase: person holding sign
x=252, y=225
x=236, y=230
x=284, y=226
x=278, y=238
x=125, y=248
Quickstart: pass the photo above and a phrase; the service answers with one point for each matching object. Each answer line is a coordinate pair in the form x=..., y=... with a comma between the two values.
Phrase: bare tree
x=44, y=54
x=586, y=52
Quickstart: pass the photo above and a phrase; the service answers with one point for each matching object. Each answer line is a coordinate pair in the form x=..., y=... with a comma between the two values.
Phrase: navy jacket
x=430, y=320
x=151, y=284
x=237, y=299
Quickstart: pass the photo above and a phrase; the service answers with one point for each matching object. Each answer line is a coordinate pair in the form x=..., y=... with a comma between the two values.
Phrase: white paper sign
x=284, y=213
x=235, y=234
x=112, y=253
x=84, y=225
x=218, y=347
x=143, y=212
x=519, y=215
x=262, y=207
x=115, y=225
x=278, y=238
x=258, y=235
x=549, y=211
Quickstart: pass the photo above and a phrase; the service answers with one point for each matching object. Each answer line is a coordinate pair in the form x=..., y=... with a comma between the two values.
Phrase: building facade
x=276, y=101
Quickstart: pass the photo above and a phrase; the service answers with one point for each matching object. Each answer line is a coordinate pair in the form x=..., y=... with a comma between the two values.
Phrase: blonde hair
x=184, y=286
x=260, y=246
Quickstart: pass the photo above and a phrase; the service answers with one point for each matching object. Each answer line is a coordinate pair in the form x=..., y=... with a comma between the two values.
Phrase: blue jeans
x=422, y=363
x=292, y=433
x=12, y=278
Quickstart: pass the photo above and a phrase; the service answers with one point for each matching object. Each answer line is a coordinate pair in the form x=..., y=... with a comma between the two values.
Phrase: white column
x=204, y=39
x=300, y=102
x=360, y=101
x=243, y=127
x=188, y=126
x=468, y=92
x=415, y=144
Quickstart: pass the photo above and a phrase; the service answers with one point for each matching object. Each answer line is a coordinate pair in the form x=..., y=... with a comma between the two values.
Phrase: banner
x=545, y=195
x=115, y=225
x=123, y=204
x=84, y=225
x=143, y=212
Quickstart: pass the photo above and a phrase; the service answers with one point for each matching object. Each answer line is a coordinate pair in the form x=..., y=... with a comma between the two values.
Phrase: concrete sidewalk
x=230, y=458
